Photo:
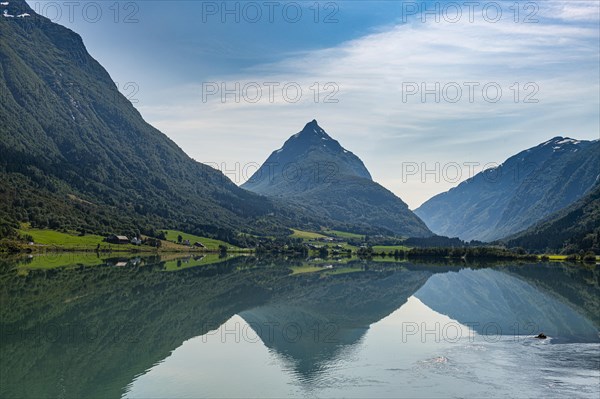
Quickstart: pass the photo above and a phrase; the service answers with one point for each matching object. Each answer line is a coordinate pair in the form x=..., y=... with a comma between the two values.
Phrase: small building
x=136, y=241
x=114, y=239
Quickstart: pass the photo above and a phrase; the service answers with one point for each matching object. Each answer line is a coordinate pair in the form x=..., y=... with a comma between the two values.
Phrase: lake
x=76, y=325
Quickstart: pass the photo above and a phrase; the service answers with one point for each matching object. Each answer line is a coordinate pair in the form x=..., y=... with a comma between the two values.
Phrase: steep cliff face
x=75, y=153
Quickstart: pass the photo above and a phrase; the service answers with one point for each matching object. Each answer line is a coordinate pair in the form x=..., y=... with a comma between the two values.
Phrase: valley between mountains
x=78, y=164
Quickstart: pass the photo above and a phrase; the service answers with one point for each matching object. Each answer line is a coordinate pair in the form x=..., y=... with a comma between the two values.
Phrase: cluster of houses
x=317, y=247
x=329, y=239
x=122, y=240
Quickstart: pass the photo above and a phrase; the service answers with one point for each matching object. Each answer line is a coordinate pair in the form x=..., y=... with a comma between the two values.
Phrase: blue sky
x=377, y=57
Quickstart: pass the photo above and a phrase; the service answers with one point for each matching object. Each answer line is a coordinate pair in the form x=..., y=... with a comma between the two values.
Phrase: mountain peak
x=313, y=144
x=312, y=129
x=559, y=140
x=314, y=171
x=306, y=150
x=313, y=139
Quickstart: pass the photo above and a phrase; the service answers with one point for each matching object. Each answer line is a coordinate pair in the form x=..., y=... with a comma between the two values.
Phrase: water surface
x=187, y=328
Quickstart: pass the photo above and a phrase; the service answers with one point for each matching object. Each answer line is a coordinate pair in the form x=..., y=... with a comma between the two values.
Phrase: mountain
x=525, y=189
x=572, y=229
x=313, y=171
x=75, y=153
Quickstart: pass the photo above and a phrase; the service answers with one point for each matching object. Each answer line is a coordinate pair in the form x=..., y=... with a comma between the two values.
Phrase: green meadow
x=306, y=235
x=209, y=243
x=389, y=248
x=73, y=241
x=52, y=237
x=344, y=234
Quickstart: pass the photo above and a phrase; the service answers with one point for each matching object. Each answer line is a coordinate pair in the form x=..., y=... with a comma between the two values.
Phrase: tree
x=179, y=238
x=161, y=235
x=323, y=252
x=222, y=248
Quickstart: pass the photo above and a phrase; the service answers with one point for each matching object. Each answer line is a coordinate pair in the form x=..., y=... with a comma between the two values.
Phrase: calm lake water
x=242, y=327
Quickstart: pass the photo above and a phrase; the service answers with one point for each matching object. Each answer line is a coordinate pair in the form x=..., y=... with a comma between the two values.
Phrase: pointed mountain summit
x=306, y=159
x=313, y=171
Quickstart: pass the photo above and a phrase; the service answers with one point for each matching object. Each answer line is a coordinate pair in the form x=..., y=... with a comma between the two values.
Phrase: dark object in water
x=541, y=336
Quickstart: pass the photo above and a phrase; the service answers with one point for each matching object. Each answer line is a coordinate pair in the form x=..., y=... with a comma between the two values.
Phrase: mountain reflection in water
x=90, y=331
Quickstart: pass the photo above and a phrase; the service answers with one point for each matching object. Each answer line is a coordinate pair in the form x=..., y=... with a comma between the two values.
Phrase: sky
x=426, y=93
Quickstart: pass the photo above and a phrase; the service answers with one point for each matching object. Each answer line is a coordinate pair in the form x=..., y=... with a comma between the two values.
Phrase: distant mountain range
x=521, y=192
x=313, y=171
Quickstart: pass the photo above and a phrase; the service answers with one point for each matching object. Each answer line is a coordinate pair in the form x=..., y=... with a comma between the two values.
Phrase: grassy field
x=209, y=243
x=75, y=242
x=344, y=234
x=389, y=248
x=345, y=245
x=51, y=237
x=306, y=235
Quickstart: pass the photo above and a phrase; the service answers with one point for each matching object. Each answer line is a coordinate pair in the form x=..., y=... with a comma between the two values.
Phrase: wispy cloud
x=571, y=10
x=558, y=57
